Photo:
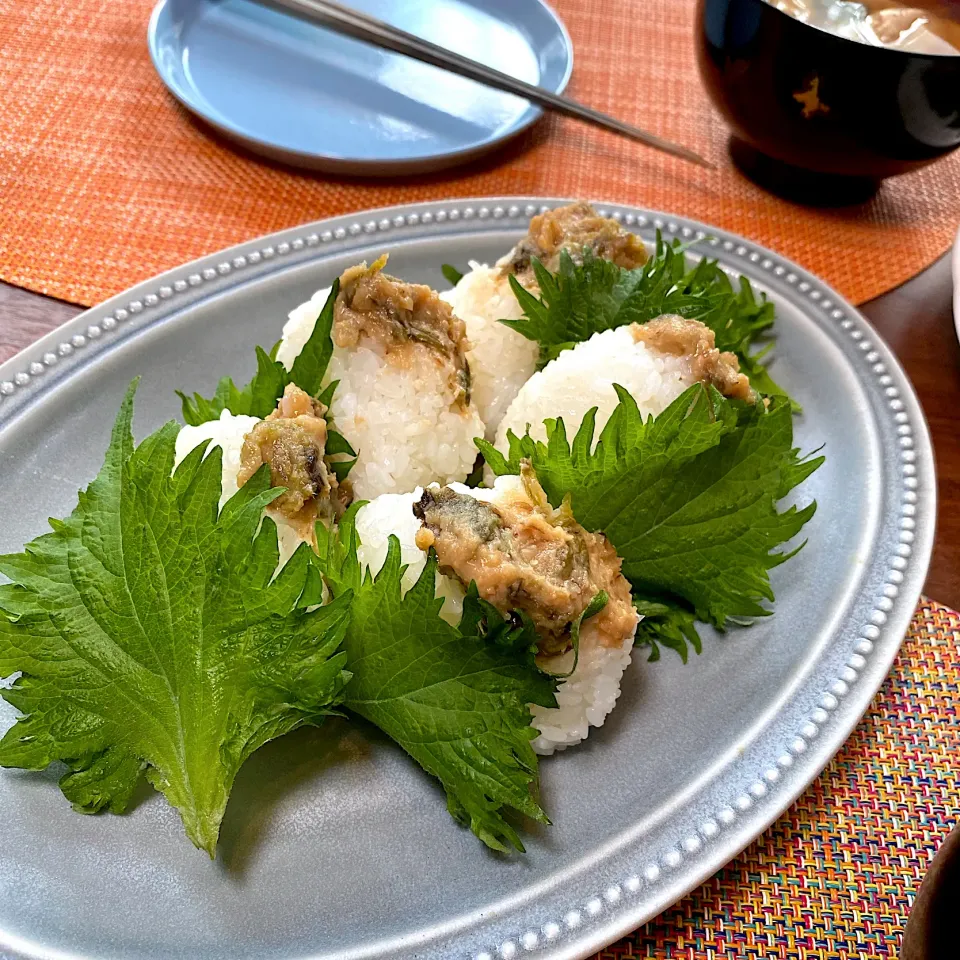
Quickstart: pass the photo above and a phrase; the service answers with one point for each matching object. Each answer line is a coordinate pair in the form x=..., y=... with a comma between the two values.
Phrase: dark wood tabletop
x=916, y=320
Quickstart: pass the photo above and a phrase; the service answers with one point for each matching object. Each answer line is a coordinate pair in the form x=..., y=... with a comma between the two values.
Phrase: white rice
x=228, y=433
x=501, y=360
x=400, y=421
x=583, y=377
x=584, y=699
x=392, y=513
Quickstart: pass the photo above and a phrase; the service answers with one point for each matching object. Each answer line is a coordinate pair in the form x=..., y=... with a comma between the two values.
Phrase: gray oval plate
x=334, y=845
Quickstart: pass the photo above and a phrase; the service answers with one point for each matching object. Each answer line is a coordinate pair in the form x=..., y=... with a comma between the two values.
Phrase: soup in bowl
x=860, y=90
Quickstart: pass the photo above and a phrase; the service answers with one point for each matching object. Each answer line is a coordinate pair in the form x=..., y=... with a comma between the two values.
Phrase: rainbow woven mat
x=835, y=876
x=105, y=181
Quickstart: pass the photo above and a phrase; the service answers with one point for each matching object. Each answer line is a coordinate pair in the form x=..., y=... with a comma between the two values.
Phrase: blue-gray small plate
x=305, y=95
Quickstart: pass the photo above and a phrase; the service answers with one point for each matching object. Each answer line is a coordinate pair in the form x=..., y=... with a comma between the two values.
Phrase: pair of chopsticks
x=362, y=26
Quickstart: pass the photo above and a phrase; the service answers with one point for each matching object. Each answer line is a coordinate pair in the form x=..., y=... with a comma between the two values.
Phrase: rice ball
x=583, y=377
x=501, y=360
x=401, y=417
x=585, y=698
x=392, y=513
x=228, y=433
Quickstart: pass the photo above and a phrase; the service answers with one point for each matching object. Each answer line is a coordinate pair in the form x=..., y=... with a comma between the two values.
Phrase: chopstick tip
x=697, y=159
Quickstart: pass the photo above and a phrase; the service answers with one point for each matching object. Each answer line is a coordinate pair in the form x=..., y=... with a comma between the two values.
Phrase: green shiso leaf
x=454, y=698
x=596, y=604
x=689, y=499
x=152, y=636
x=337, y=558
x=475, y=478
x=517, y=632
x=311, y=363
x=260, y=396
x=585, y=298
x=668, y=623
x=451, y=274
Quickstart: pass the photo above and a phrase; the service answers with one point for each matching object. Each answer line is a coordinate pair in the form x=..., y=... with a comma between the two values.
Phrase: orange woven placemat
x=835, y=876
x=105, y=181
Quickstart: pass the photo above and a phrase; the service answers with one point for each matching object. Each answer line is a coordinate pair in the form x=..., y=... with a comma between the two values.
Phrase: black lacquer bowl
x=931, y=932
x=799, y=96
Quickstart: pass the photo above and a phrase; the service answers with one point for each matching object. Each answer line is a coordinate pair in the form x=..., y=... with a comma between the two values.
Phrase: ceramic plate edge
x=888, y=623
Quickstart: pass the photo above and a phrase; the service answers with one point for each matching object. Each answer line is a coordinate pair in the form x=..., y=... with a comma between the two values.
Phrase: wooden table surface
x=916, y=320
